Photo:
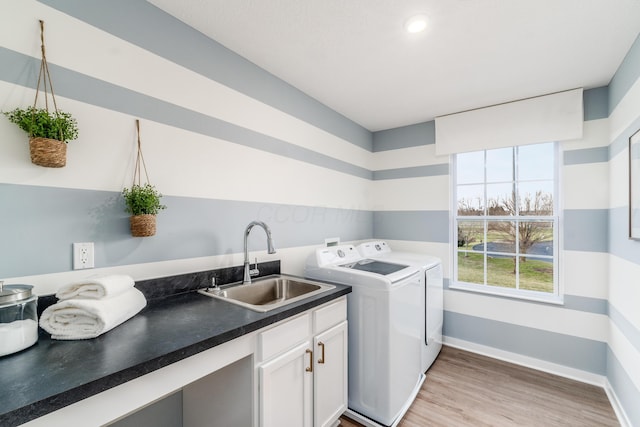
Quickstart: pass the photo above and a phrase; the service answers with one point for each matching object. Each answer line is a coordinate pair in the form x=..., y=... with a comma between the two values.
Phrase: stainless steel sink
x=268, y=293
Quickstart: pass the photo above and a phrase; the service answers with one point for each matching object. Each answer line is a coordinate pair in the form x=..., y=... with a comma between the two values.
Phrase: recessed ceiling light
x=415, y=24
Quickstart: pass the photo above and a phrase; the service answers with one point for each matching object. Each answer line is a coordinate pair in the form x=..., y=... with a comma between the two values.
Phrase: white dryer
x=384, y=314
x=432, y=295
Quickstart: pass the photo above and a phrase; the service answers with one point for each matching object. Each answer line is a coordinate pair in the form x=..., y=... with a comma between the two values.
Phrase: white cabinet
x=286, y=389
x=330, y=375
x=303, y=380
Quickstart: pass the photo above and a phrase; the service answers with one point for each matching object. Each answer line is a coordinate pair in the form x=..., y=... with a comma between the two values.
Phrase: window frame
x=555, y=297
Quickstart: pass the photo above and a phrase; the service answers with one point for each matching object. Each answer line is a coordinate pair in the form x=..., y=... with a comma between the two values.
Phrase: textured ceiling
x=354, y=56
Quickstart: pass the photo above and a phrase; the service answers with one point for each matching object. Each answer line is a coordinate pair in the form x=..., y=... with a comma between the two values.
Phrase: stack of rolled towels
x=92, y=307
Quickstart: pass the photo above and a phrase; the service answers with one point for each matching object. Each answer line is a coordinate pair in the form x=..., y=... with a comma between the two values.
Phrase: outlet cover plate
x=83, y=255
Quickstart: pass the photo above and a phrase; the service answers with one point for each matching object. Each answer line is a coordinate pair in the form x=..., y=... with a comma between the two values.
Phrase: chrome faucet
x=270, y=249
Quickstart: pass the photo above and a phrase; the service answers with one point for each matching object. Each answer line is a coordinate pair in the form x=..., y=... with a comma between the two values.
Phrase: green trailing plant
x=142, y=200
x=40, y=123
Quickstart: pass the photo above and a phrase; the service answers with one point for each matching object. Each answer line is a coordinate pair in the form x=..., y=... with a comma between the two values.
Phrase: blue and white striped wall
x=623, y=352
x=568, y=339
x=224, y=141
x=227, y=142
x=594, y=336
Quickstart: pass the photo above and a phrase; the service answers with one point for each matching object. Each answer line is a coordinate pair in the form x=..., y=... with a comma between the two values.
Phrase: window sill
x=508, y=293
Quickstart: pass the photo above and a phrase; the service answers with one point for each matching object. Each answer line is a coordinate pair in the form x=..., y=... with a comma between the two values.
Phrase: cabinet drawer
x=331, y=315
x=283, y=337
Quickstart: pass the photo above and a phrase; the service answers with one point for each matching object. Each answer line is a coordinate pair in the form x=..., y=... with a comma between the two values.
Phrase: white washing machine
x=432, y=295
x=384, y=314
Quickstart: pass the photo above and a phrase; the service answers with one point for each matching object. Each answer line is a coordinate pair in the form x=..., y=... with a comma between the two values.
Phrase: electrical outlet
x=83, y=255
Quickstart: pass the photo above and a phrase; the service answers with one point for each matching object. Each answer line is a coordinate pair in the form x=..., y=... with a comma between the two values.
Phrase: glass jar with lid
x=18, y=318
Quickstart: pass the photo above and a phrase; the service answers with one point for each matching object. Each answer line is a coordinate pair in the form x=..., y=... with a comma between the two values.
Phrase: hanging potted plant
x=48, y=134
x=142, y=202
x=48, y=131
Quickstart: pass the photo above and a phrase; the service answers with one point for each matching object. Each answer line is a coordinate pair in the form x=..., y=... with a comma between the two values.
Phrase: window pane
x=470, y=200
x=501, y=236
x=500, y=165
x=536, y=198
x=471, y=235
x=470, y=168
x=536, y=267
x=471, y=267
x=536, y=161
x=500, y=199
x=500, y=271
x=536, y=238
x=536, y=275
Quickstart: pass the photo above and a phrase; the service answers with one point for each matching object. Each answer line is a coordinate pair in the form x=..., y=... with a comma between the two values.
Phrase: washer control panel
x=374, y=248
x=333, y=255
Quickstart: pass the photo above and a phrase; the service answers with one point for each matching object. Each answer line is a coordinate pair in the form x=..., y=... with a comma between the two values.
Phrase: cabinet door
x=286, y=387
x=330, y=376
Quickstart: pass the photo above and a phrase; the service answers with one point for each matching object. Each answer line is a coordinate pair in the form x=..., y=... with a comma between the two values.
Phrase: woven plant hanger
x=141, y=225
x=44, y=151
x=139, y=161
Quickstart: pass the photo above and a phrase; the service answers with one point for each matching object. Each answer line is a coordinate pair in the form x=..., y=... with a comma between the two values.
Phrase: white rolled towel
x=97, y=287
x=75, y=319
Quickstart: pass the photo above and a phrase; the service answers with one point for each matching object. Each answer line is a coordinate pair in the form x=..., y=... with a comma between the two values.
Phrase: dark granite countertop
x=53, y=374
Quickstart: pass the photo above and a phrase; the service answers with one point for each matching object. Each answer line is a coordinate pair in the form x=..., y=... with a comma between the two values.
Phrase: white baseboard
x=623, y=419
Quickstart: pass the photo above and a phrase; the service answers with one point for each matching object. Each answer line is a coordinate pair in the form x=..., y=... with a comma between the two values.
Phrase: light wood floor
x=466, y=389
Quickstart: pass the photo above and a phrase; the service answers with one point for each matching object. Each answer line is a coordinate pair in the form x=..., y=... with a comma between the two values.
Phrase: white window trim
x=557, y=297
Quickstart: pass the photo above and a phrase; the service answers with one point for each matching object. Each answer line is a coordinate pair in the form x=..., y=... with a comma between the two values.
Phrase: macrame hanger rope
x=139, y=160
x=44, y=76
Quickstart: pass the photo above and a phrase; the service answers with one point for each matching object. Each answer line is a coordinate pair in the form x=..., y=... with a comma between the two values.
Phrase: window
x=506, y=221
